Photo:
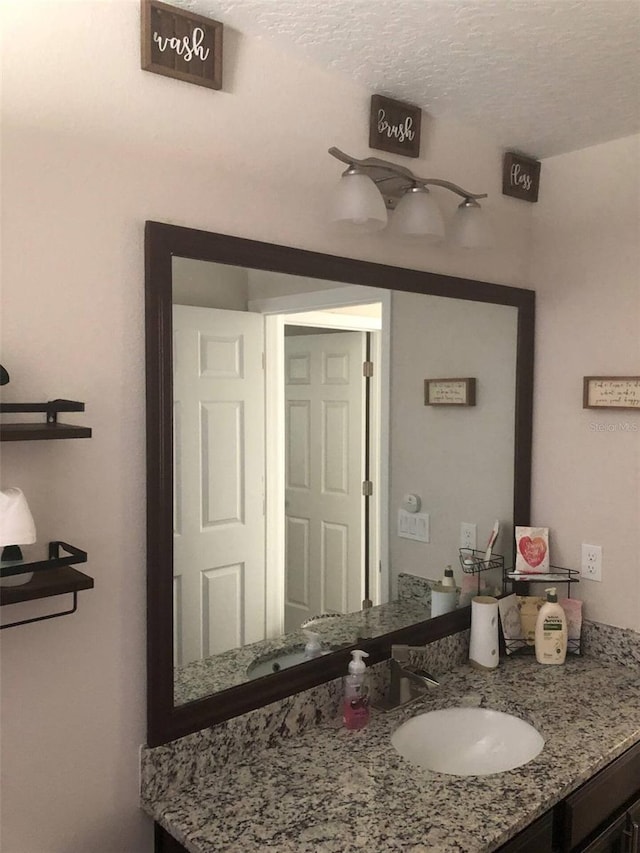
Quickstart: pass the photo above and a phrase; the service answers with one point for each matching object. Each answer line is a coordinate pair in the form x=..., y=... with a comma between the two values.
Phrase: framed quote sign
x=450, y=392
x=611, y=392
x=520, y=176
x=181, y=44
x=394, y=126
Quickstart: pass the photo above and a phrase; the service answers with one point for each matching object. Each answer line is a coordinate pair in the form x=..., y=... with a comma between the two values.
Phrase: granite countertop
x=330, y=790
x=219, y=672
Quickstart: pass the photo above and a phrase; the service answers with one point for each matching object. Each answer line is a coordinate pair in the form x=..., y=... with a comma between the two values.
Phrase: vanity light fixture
x=369, y=188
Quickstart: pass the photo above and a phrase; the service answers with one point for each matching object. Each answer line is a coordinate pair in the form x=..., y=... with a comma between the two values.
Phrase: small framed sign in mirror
x=450, y=392
x=181, y=44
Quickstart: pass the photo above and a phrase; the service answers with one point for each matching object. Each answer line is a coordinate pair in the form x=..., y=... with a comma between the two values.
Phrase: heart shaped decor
x=533, y=550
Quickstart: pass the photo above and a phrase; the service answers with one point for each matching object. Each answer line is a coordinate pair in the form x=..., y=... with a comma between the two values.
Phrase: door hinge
x=367, y=488
x=367, y=369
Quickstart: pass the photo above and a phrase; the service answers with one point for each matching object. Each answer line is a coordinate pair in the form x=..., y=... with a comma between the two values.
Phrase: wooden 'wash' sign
x=520, y=176
x=394, y=126
x=180, y=44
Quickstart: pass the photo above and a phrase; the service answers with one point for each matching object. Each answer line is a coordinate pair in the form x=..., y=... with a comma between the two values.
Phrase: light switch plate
x=413, y=525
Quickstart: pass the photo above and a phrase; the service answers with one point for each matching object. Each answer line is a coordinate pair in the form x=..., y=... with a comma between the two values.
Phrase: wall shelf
x=520, y=585
x=52, y=576
x=519, y=581
x=51, y=429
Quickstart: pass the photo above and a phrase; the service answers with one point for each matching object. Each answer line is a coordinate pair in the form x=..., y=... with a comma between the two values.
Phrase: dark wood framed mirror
x=163, y=244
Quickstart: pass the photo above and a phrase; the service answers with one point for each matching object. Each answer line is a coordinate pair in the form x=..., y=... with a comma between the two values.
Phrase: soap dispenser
x=355, y=709
x=551, y=631
x=313, y=649
x=448, y=581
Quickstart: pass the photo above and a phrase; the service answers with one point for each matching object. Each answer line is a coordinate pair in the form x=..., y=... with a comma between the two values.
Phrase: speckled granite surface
x=182, y=761
x=333, y=791
x=617, y=645
x=204, y=677
x=412, y=587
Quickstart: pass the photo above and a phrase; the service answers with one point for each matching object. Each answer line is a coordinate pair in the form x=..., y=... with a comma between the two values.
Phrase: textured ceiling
x=542, y=76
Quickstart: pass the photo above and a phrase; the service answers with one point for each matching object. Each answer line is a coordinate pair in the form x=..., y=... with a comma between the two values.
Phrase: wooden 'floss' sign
x=181, y=44
x=520, y=176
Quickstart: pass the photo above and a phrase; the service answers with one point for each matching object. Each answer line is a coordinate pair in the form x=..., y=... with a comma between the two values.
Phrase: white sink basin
x=274, y=662
x=467, y=741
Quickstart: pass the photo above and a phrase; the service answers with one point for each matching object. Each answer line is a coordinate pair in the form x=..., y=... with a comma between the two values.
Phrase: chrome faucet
x=407, y=682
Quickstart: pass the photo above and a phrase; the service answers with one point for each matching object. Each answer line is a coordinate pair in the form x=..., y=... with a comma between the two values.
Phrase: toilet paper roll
x=483, y=647
x=16, y=521
x=16, y=528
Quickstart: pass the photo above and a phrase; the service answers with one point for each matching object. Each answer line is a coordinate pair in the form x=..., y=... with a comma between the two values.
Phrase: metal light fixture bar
x=394, y=180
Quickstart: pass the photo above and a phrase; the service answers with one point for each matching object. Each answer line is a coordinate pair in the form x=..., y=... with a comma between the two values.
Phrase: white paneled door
x=324, y=444
x=219, y=531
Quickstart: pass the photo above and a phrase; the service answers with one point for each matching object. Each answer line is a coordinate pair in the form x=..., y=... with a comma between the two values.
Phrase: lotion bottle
x=355, y=708
x=551, y=631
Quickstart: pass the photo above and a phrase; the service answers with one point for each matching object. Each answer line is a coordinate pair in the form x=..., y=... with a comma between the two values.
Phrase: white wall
x=586, y=270
x=458, y=459
x=209, y=285
x=92, y=147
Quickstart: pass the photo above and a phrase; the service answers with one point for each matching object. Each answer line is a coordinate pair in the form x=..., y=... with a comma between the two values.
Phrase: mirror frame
x=166, y=721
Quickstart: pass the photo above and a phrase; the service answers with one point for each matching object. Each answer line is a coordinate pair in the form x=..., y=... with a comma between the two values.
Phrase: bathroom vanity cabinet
x=579, y=795
x=602, y=816
x=165, y=843
x=536, y=838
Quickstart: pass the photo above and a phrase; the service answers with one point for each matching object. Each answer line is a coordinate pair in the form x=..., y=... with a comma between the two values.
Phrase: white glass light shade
x=358, y=206
x=418, y=215
x=470, y=228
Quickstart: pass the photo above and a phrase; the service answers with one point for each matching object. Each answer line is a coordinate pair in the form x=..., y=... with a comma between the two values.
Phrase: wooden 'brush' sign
x=182, y=45
x=394, y=126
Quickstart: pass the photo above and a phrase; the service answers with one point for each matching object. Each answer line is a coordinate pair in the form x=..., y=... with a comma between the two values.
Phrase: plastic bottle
x=551, y=631
x=355, y=708
x=444, y=595
x=313, y=649
x=447, y=579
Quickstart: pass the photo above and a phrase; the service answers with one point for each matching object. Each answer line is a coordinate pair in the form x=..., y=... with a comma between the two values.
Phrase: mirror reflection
x=303, y=448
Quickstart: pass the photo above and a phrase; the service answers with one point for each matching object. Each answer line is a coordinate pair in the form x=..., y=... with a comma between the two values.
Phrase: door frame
x=279, y=311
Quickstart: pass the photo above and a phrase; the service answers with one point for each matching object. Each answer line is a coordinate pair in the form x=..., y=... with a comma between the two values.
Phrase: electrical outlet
x=591, y=562
x=468, y=535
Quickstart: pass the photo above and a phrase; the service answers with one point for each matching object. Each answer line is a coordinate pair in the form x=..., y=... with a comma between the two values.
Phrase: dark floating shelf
x=36, y=432
x=51, y=576
x=46, y=584
x=51, y=429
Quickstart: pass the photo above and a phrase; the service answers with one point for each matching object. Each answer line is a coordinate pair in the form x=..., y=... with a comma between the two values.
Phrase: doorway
x=327, y=416
x=326, y=457
x=239, y=439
